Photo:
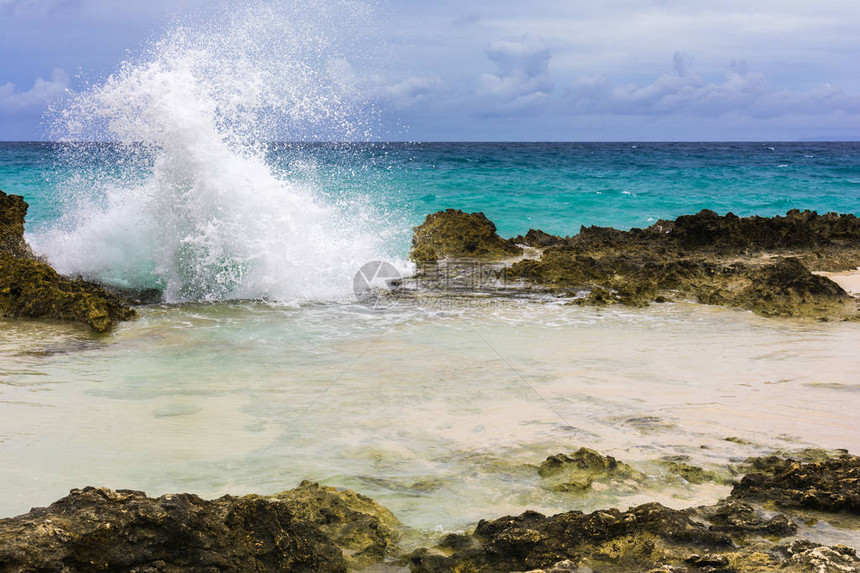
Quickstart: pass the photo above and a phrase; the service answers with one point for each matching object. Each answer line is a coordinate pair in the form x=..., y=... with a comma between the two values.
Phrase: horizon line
x=488, y=141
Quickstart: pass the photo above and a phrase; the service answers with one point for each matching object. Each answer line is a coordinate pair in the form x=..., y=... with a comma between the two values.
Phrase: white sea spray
x=182, y=196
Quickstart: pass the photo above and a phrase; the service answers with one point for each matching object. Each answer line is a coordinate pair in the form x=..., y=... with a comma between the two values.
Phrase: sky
x=504, y=70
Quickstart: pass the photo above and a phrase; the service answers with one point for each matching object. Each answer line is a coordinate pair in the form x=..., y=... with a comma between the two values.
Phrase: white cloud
x=413, y=90
x=740, y=91
x=43, y=92
x=522, y=79
x=38, y=8
x=364, y=87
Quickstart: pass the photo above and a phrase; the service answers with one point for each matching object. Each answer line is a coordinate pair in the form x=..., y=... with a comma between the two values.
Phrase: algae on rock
x=31, y=288
x=731, y=536
x=757, y=263
x=829, y=485
x=307, y=529
x=315, y=528
x=577, y=471
x=456, y=234
x=365, y=530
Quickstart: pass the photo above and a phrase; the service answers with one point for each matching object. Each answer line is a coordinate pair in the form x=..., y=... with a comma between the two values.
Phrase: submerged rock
x=756, y=263
x=308, y=529
x=455, y=234
x=30, y=288
x=692, y=474
x=741, y=519
x=577, y=471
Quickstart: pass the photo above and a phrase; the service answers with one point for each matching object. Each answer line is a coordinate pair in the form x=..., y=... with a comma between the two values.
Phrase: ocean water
x=442, y=410
x=555, y=187
x=261, y=367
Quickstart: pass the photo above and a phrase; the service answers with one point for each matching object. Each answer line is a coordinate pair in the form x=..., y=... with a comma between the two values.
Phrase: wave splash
x=182, y=198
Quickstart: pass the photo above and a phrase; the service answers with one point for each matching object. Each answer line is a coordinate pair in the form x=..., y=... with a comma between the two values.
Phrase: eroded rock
x=808, y=556
x=455, y=234
x=832, y=485
x=362, y=528
x=757, y=263
x=609, y=540
x=30, y=288
x=308, y=529
x=314, y=528
x=13, y=211
x=735, y=535
x=741, y=519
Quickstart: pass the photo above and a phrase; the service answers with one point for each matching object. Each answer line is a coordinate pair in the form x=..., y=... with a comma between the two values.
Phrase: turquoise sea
x=555, y=187
x=261, y=368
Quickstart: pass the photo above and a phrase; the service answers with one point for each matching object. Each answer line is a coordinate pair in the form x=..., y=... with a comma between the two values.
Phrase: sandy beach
x=848, y=280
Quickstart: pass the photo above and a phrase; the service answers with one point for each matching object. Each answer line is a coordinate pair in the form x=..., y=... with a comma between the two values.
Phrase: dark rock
x=796, y=230
x=760, y=264
x=537, y=239
x=315, y=528
x=781, y=461
x=832, y=485
x=459, y=235
x=13, y=211
x=757, y=263
x=635, y=540
x=711, y=562
x=787, y=288
x=731, y=536
x=309, y=529
x=136, y=296
x=30, y=288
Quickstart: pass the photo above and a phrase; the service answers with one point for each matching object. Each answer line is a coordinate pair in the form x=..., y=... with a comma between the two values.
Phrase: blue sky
x=506, y=69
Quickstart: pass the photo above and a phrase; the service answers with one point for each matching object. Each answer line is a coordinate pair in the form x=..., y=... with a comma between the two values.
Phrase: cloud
x=413, y=90
x=365, y=87
x=38, y=8
x=740, y=91
x=469, y=19
x=43, y=92
x=522, y=79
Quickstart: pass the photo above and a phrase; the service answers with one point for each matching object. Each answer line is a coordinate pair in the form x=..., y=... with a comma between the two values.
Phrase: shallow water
x=441, y=415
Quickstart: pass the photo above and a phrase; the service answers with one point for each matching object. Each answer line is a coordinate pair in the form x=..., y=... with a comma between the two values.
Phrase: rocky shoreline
x=31, y=288
x=761, y=264
x=315, y=528
x=771, y=266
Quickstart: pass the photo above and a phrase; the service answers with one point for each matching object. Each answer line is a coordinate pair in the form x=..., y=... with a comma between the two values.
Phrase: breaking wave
x=171, y=187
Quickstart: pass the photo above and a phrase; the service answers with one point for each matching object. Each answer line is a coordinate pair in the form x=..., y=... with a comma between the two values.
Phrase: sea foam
x=182, y=197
